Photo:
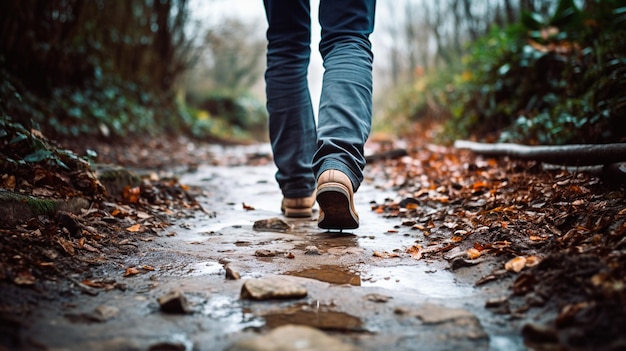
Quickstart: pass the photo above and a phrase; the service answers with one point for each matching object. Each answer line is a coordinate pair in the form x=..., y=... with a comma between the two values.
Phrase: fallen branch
x=609, y=159
x=573, y=155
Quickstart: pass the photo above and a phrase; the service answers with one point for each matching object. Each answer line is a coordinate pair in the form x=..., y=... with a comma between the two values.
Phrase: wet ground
x=358, y=291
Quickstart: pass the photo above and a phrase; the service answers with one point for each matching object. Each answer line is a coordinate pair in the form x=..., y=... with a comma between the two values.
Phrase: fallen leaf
x=134, y=228
x=473, y=253
x=247, y=207
x=532, y=261
x=131, y=271
x=24, y=278
x=131, y=194
x=515, y=264
x=67, y=246
x=415, y=251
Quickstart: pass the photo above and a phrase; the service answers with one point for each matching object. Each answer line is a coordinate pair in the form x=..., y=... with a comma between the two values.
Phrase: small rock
x=537, y=333
x=496, y=302
x=435, y=314
x=311, y=250
x=174, y=302
x=265, y=253
x=272, y=224
x=231, y=273
x=277, y=287
x=104, y=313
x=292, y=337
x=378, y=298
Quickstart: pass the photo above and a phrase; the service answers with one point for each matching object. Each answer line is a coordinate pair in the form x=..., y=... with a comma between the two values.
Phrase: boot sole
x=336, y=208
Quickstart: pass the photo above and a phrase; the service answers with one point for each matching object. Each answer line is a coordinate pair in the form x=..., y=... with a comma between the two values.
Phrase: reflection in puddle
x=330, y=274
x=231, y=315
x=439, y=284
x=204, y=268
x=316, y=316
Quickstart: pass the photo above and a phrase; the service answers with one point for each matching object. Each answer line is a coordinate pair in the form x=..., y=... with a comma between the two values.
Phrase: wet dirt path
x=353, y=295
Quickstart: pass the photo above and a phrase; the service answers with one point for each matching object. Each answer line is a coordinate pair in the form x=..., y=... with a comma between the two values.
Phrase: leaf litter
x=557, y=236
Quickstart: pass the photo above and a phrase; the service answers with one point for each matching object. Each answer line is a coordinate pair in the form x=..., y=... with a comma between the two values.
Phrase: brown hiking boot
x=335, y=197
x=299, y=207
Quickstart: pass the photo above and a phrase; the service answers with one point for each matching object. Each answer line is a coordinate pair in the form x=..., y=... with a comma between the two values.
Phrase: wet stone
x=104, y=313
x=267, y=288
x=311, y=250
x=271, y=224
x=231, y=273
x=379, y=298
x=265, y=253
x=292, y=337
x=174, y=302
x=454, y=323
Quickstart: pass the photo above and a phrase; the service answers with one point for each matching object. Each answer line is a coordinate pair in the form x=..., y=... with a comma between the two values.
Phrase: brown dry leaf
x=24, y=278
x=134, y=228
x=8, y=181
x=90, y=248
x=415, y=251
x=473, y=253
x=131, y=271
x=247, y=207
x=412, y=206
x=67, y=246
x=131, y=194
x=516, y=264
x=385, y=254
x=148, y=268
x=532, y=261
x=456, y=239
x=143, y=215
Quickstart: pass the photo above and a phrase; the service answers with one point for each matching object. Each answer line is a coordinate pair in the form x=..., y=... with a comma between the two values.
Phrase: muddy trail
x=435, y=265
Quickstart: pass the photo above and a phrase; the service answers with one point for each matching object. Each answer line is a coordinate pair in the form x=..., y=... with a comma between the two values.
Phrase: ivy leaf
x=38, y=156
x=19, y=137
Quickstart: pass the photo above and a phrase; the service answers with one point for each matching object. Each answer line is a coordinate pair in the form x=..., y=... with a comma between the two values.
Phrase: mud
x=369, y=301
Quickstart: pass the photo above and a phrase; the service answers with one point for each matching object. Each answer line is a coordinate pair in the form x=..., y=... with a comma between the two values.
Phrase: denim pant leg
x=345, y=114
x=292, y=128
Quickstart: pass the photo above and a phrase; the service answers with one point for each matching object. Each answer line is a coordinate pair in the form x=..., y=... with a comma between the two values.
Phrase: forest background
x=527, y=71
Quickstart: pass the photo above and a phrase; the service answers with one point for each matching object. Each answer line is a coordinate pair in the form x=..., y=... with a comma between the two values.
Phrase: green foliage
x=562, y=82
x=20, y=146
x=93, y=67
x=554, y=79
x=227, y=116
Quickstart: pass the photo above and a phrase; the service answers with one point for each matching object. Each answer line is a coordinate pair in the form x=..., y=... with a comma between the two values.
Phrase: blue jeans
x=302, y=150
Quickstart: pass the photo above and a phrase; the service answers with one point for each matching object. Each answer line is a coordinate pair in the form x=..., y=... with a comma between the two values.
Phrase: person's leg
x=345, y=114
x=291, y=122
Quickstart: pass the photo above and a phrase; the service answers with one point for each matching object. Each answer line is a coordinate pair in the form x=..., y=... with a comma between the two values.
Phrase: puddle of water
x=437, y=284
x=316, y=316
x=203, y=268
x=330, y=274
x=230, y=314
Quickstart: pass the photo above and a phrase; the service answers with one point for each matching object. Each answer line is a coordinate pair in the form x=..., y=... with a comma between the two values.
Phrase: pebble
x=174, y=302
x=292, y=337
x=231, y=273
x=272, y=224
x=311, y=250
x=275, y=287
x=265, y=253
